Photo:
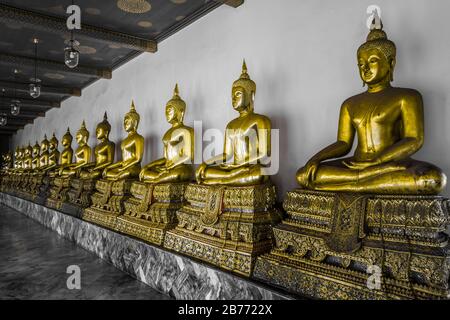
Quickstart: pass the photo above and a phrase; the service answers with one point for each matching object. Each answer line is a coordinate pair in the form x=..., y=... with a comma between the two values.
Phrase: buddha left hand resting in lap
x=247, y=142
x=389, y=124
x=176, y=165
x=132, y=150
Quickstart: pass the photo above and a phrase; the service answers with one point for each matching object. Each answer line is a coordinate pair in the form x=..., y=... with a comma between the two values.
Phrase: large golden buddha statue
x=104, y=151
x=377, y=210
x=43, y=159
x=53, y=153
x=176, y=165
x=132, y=150
x=66, y=156
x=389, y=125
x=36, y=154
x=82, y=154
x=28, y=157
x=239, y=164
x=227, y=216
x=151, y=209
x=114, y=188
x=58, y=182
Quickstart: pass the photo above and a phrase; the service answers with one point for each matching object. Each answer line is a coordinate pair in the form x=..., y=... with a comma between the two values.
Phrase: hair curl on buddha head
x=54, y=141
x=176, y=101
x=133, y=114
x=67, y=135
x=83, y=131
x=105, y=125
x=244, y=80
x=44, y=142
x=377, y=39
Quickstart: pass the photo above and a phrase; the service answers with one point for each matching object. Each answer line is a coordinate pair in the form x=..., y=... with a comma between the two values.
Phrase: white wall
x=302, y=55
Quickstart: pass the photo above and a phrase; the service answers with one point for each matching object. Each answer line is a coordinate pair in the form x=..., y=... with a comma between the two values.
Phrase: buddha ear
x=392, y=65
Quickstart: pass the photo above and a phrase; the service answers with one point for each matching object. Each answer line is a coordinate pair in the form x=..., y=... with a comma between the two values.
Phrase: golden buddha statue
x=28, y=157
x=81, y=188
x=227, y=215
x=132, y=150
x=114, y=188
x=389, y=124
x=245, y=153
x=48, y=172
x=151, y=209
x=377, y=208
x=35, y=163
x=16, y=158
x=53, y=153
x=82, y=154
x=44, y=158
x=66, y=155
x=104, y=151
x=176, y=165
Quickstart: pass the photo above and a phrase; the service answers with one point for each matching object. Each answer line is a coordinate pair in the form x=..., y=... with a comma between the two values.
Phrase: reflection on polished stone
x=34, y=262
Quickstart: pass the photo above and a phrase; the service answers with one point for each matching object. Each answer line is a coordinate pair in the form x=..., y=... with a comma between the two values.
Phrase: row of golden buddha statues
x=376, y=209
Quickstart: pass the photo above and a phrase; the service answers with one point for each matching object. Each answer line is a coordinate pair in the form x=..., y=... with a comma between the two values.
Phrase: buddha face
x=241, y=99
x=101, y=133
x=36, y=150
x=66, y=141
x=81, y=138
x=52, y=146
x=173, y=114
x=374, y=67
x=130, y=123
x=44, y=146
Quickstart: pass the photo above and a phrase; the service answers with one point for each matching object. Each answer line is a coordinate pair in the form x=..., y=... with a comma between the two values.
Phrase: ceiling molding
x=24, y=87
x=43, y=104
x=42, y=22
x=17, y=61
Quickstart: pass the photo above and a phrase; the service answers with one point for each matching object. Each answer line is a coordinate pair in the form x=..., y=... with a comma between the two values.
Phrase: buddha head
x=53, y=144
x=82, y=135
x=44, y=144
x=377, y=56
x=36, y=149
x=16, y=152
x=175, y=108
x=67, y=139
x=131, y=120
x=243, y=92
x=103, y=128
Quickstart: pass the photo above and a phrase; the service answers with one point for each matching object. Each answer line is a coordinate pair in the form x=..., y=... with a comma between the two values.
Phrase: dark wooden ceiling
x=109, y=37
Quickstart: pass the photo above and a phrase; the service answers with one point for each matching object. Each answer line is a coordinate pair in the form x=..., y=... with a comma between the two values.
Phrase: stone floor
x=34, y=259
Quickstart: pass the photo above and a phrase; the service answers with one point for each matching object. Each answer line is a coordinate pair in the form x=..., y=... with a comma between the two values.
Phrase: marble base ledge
x=177, y=276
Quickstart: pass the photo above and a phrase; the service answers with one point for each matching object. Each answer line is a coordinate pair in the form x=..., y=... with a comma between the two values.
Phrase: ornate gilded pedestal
x=44, y=189
x=225, y=226
x=108, y=202
x=151, y=210
x=332, y=244
x=79, y=196
x=58, y=192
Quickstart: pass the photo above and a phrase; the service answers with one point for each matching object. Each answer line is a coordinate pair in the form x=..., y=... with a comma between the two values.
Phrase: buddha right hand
x=199, y=173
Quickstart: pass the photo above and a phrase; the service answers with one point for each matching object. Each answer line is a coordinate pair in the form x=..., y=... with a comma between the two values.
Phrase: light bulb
x=35, y=88
x=71, y=55
x=15, y=107
x=3, y=120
